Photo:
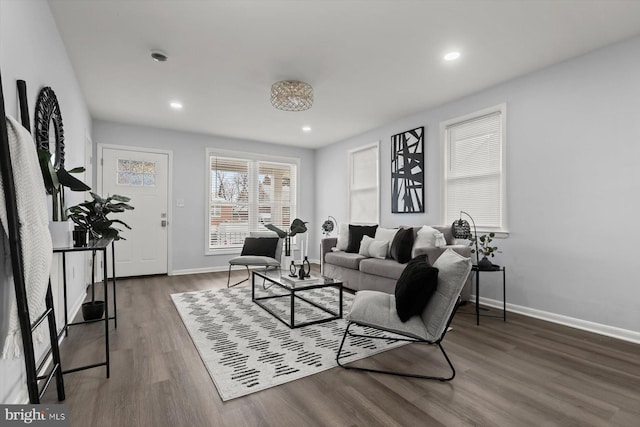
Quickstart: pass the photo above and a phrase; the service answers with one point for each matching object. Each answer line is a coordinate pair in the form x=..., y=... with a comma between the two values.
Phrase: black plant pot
x=79, y=238
x=93, y=310
x=485, y=264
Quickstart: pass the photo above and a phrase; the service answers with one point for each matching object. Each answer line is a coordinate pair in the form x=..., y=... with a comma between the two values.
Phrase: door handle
x=163, y=223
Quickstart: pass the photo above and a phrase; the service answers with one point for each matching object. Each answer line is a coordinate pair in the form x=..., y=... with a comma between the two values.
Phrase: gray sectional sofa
x=360, y=273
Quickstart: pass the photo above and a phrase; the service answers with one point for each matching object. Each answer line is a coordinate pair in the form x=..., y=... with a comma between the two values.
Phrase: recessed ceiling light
x=452, y=56
x=176, y=105
x=159, y=56
x=306, y=128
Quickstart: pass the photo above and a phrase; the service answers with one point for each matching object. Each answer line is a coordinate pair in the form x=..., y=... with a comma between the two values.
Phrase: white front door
x=142, y=176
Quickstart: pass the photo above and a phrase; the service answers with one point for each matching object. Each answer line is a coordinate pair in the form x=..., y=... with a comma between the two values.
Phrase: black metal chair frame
x=437, y=342
x=247, y=278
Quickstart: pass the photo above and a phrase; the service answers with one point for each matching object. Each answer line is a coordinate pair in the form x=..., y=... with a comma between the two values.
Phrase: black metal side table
x=504, y=291
x=94, y=246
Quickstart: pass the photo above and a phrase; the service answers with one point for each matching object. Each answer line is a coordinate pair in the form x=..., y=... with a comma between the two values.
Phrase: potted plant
x=297, y=226
x=55, y=181
x=485, y=248
x=91, y=216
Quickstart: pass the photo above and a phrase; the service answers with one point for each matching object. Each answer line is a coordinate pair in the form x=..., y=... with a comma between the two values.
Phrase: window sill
x=224, y=251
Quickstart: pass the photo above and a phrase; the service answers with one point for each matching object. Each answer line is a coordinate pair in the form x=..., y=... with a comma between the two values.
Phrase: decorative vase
x=292, y=269
x=307, y=267
x=485, y=264
x=61, y=233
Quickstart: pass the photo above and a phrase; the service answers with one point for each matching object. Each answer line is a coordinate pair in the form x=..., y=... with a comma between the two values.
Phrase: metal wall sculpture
x=407, y=171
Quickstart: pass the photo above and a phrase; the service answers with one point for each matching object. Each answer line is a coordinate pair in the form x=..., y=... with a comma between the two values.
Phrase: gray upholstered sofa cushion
x=344, y=259
x=389, y=268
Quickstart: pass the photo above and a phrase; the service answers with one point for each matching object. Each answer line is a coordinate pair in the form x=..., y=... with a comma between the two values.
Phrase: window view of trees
x=245, y=195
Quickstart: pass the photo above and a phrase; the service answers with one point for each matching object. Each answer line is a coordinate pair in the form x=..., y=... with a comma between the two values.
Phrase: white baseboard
x=585, y=325
x=218, y=269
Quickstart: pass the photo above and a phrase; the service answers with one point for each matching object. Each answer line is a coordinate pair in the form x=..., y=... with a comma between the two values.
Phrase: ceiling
x=370, y=62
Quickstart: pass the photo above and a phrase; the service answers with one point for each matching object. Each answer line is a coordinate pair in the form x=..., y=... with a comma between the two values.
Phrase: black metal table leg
x=105, y=284
x=64, y=291
x=504, y=294
x=113, y=273
x=477, y=297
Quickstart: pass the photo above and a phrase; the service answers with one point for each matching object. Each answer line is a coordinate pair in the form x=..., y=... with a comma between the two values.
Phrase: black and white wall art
x=407, y=171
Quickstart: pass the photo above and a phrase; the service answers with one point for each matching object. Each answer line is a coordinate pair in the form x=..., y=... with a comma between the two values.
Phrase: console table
x=94, y=246
x=504, y=294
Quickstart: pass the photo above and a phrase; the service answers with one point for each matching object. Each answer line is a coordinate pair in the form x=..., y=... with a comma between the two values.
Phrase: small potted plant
x=91, y=216
x=486, y=249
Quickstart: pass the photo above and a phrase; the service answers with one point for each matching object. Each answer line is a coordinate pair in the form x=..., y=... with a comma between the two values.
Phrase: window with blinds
x=245, y=194
x=474, y=168
x=364, y=188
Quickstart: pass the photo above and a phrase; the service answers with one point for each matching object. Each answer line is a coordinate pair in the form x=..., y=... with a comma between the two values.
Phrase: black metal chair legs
x=402, y=374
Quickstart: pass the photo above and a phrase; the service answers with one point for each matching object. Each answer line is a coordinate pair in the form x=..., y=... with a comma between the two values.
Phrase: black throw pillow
x=260, y=246
x=356, y=233
x=414, y=288
x=402, y=245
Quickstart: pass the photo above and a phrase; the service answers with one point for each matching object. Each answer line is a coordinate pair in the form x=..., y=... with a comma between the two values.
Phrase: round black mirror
x=49, y=133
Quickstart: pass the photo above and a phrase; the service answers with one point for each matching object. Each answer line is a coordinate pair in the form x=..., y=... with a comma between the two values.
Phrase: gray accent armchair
x=377, y=310
x=257, y=261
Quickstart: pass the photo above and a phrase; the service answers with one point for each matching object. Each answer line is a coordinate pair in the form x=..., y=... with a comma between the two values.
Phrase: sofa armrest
x=326, y=245
x=434, y=253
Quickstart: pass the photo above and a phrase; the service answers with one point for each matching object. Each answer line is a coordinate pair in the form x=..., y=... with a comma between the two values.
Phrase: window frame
x=254, y=159
x=351, y=152
x=502, y=230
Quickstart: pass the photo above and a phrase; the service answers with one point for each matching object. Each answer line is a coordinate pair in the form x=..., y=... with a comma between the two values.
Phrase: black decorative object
x=356, y=233
x=407, y=171
x=49, y=132
x=401, y=245
x=307, y=267
x=461, y=230
x=292, y=269
x=485, y=264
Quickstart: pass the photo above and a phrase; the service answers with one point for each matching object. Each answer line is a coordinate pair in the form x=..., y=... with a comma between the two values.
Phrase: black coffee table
x=292, y=288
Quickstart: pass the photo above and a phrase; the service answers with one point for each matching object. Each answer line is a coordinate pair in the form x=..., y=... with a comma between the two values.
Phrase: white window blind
x=474, y=169
x=245, y=194
x=364, y=191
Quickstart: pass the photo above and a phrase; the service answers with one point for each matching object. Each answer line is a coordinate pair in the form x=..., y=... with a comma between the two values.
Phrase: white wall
x=573, y=135
x=189, y=183
x=31, y=49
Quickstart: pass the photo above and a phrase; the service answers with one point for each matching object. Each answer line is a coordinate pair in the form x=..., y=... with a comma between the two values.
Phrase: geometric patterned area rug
x=246, y=349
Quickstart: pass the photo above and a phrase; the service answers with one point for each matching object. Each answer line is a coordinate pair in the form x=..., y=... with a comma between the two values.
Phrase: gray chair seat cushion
x=254, y=260
x=378, y=309
x=344, y=259
x=389, y=268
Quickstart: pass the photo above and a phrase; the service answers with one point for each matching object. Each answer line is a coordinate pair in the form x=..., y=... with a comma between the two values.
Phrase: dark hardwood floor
x=519, y=373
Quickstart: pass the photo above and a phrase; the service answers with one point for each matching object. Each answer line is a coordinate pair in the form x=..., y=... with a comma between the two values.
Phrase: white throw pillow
x=378, y=249
x=386, y=235
x=364, y=246
x=440, y=240
x=426, y=238
x=372, y=248
x=343, y=237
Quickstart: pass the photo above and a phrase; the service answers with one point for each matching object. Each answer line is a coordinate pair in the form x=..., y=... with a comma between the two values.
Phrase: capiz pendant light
x=291, y=95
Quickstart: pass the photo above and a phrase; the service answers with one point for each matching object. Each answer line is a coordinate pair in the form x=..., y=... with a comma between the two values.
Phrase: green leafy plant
x=484, y=245
x=92, y=215
x=55, y=182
